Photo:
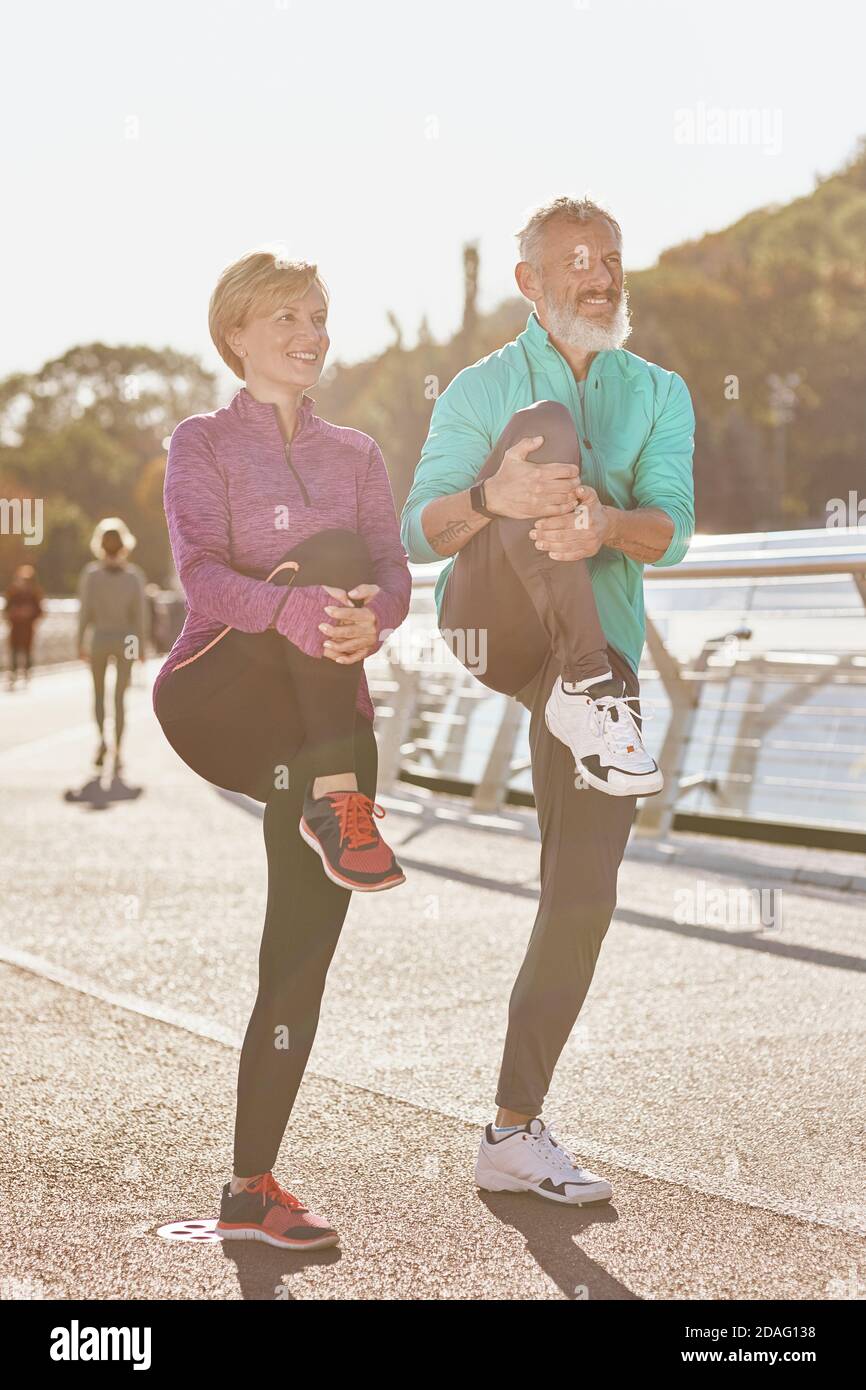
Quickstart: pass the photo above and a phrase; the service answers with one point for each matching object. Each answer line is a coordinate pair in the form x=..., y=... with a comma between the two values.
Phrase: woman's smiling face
x=287, y=347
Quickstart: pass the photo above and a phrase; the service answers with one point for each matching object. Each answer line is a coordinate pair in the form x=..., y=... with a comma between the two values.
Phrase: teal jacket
x=639, y=421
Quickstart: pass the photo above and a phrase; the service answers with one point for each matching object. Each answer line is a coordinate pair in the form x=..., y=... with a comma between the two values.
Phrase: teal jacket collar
x=535, y=341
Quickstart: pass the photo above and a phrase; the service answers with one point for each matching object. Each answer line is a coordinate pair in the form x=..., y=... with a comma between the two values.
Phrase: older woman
x=287, y=545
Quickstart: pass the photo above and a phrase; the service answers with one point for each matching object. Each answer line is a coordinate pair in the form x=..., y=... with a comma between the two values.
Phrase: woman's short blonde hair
x=254, y=286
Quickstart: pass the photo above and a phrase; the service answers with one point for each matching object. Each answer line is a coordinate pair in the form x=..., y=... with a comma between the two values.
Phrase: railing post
x=657, y=814
x=396, y=729
x=490, y=791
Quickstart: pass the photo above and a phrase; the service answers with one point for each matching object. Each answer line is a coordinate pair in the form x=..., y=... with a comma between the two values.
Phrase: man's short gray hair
x=530, y=236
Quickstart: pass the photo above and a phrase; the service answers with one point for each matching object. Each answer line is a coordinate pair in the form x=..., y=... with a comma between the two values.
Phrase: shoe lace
x=355, y=813
x=271, y=1191
x=614, y=722
x=555, y=1150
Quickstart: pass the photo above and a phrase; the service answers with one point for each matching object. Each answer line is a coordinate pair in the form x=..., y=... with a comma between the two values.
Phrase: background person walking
x=22, y=612
x=113, y=609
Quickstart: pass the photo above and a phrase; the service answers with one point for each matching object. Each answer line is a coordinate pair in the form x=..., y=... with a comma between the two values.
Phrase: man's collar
x=537, y=333
x=607, y=360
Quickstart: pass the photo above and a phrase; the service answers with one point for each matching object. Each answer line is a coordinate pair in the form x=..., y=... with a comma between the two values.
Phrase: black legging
x=255, y=714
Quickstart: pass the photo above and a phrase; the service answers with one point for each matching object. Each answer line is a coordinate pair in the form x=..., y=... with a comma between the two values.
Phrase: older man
x=555, y=469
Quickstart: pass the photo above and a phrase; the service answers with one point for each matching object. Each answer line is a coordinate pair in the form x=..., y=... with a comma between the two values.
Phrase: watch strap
x=478, y=501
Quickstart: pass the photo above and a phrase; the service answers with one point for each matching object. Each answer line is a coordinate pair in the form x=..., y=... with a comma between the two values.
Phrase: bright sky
x=148, y=145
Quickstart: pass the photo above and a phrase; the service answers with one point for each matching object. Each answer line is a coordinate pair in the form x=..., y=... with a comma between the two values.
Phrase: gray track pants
x=104, y=648
x=540, y=619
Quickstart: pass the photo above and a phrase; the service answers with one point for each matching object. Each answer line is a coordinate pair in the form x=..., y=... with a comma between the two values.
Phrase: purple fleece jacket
x=237, y=498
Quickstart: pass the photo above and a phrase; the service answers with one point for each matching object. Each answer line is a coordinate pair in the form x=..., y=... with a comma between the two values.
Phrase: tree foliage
x=766, y=321
x=85, y=434
x=778, y=295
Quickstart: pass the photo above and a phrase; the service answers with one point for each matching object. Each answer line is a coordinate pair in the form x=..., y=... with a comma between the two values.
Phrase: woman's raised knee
x=336, y=556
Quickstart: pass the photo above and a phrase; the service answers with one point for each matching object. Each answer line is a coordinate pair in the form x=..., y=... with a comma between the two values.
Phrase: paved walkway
x=715, y=1075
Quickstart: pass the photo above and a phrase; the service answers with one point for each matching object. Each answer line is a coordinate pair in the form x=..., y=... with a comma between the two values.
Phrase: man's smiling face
x=577, y=285
x=581, y=268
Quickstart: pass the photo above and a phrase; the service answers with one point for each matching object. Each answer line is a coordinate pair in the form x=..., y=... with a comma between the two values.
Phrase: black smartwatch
x=478, y=502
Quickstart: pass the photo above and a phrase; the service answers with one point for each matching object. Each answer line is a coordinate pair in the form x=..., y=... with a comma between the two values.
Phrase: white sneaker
x=531, y=1159
x=601, y=731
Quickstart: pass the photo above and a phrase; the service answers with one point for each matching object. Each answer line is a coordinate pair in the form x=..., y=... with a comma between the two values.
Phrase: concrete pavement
x=715, y=1075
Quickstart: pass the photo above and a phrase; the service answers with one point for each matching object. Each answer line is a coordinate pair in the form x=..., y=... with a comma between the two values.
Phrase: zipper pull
x=288, y=454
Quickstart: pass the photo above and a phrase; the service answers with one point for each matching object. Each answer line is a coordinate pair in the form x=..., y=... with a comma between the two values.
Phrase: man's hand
x=354, y=632
x=579, y=535
x=525, y=490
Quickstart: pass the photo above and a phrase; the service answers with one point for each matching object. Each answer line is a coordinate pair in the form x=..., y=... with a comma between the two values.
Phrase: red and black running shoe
x=340, y=827
x=263, y=1210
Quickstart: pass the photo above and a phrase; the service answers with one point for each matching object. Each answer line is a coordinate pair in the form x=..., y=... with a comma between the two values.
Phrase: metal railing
x=753, y=675
x=754, y=658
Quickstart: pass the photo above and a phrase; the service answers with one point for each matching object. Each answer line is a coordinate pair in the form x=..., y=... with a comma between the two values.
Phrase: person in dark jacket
x=23, y=611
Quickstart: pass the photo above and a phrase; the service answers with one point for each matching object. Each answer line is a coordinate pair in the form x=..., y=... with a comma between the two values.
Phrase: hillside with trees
x=765, y=320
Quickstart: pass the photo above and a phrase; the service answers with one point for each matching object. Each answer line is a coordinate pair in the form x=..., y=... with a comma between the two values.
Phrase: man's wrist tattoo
x=450, y=533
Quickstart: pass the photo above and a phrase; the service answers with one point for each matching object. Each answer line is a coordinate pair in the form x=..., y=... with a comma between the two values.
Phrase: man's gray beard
x=577, y=331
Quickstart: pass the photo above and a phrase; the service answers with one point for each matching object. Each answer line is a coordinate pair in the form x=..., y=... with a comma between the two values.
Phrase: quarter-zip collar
x=608, y=368
x=263, y=415
x=255, y=412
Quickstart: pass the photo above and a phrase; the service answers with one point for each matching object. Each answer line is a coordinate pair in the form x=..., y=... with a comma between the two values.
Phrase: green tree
x=86, y=434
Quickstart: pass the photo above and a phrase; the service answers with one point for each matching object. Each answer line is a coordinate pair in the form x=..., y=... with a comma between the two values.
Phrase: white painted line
x=133, y=1003
x=850, y=1219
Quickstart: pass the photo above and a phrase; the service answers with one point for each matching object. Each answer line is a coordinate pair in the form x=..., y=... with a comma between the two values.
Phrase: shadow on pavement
x=752, y=940
x=261, y=1267
x=550, y=1231
x=98, y=796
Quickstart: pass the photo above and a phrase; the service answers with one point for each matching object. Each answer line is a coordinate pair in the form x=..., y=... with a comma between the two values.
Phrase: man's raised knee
x=554, y=421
